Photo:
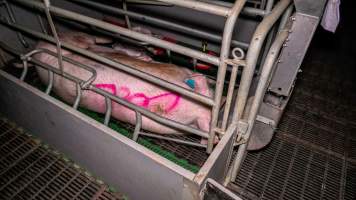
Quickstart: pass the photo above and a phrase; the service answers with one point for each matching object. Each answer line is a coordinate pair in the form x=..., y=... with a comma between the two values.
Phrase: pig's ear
x=201, y=84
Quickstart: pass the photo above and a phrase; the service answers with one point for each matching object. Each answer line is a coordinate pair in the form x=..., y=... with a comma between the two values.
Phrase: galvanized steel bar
x=54, y=32
x=252, y=56
x=123, y=31
x=50, y=81
x=148, y=114
x=108, y=111
x=200, y=6
x=79, y=95
x=24, y=71
x=173, y=140
x=125, y=68
x=265, y=78
x=224, y=55
x=138, y=126
x=230, y=93
x=10, y=12
x=160, y=22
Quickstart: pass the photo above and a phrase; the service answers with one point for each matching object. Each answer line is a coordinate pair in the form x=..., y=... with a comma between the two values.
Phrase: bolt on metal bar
x=165, y=84
x=160, y=22
x=225, y=51
x=138, y=126
x=54, y=32
x=265, y=78
x=123, y=31
x=252, y=55
x=10, y=12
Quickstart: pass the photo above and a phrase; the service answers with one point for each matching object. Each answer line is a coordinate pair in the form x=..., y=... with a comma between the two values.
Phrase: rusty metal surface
x=313, y=155
x=31, y=170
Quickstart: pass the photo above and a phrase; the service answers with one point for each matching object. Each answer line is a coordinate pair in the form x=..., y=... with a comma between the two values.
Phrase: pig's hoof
x=205, y=141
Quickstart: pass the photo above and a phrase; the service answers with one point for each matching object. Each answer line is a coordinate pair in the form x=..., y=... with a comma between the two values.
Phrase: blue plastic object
x=190, y=83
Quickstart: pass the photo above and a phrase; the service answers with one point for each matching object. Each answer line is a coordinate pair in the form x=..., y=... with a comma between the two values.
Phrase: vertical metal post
x=79, y=95
x=54, y=32
x=224, y=54
x=127, y=19
x=13, y=20
x=50, y=82
x=25, y=69
x=138, y=126
x=108, y=104
x=265, y=78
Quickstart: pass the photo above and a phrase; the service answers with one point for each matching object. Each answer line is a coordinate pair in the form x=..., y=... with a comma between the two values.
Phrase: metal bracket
x=266, y=120
x=242, y=127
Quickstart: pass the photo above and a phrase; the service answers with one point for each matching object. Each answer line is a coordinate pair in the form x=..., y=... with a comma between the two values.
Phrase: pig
x=132, y=89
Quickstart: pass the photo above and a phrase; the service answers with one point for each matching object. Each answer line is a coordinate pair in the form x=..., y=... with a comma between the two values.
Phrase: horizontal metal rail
x=200, y=6
x=143, y=111
x=160, y=22
x=123, y=31
x=125, y=68
x=263, y=83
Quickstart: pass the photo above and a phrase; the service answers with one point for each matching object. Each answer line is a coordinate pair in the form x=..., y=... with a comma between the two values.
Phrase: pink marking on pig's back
x=107, y=87
x=169, y=99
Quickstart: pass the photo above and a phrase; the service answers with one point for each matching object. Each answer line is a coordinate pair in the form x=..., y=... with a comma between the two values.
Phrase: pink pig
x=135, y=90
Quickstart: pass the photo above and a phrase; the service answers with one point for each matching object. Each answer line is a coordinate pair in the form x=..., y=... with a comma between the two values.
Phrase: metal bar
x=79, y=95
x=24, y=71
x=54, y=32
x=138, y=126
x=200, y=6
x=225, y=51
x=108, y=105
x=252, y=55
x=151, y=115
x=123, y=31
x=246, y=10
x=285, y=17
x=163, y=23
x=13, y=20
x=127, y=19
x=265, y=78
x=50, y=82
x=122, y=67
x=230, y=92
x=173, y=140
x=44, y=30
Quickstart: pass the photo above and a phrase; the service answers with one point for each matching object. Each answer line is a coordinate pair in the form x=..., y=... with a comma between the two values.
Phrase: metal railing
x=248, y=64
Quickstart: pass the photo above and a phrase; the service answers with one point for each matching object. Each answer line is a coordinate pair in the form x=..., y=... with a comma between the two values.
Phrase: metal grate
x=31, y=170
x=313, y=155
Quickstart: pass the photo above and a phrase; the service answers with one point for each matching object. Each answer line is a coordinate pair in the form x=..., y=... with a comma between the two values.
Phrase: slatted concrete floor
x=31, y=170
x=313, y=154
